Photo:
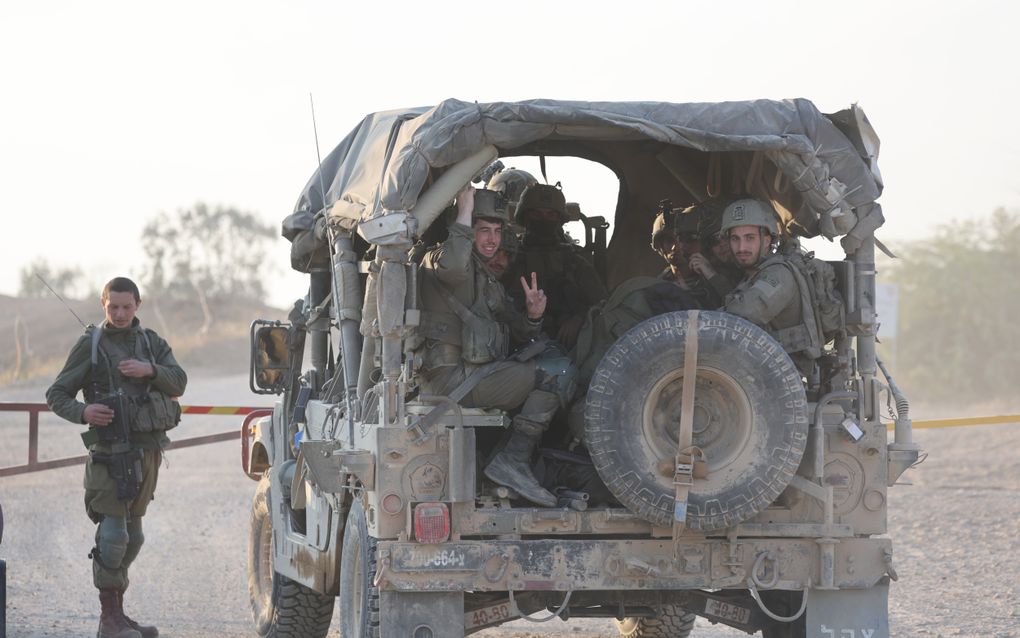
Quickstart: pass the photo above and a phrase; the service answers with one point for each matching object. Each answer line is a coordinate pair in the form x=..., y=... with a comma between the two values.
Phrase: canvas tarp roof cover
x=383, y=164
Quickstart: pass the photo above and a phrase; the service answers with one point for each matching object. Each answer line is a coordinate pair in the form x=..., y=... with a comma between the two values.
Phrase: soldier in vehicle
x=467, y=322
x=119, y=364
x=509, y=248
x=768, y=294
x=512, y=182
x=570, y=281
x=675, y=238
x=714, y=261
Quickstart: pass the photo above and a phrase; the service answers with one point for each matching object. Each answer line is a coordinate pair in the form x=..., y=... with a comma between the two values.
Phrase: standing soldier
x=769, y=295
x=466, y=326
x=569, y=280
x=130, y=382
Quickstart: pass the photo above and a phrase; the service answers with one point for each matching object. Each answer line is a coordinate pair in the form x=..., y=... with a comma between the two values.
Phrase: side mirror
x=270, y=357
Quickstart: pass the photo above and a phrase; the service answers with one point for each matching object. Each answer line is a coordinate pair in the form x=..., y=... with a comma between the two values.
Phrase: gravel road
x=956, y=534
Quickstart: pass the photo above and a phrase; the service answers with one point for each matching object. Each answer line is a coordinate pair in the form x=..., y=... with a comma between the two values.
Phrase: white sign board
x=887, y=300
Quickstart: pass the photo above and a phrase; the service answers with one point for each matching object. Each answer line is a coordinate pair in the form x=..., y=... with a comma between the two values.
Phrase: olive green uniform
x=151, y=412
x=770, y=297
x=454, y=271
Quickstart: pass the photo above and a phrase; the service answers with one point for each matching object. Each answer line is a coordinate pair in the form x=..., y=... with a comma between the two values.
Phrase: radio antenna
x=318, y=155
x=66, y=305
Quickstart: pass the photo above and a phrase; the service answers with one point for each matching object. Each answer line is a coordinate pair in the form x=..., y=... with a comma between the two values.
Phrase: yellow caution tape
x=218, y=409
x=975, y=420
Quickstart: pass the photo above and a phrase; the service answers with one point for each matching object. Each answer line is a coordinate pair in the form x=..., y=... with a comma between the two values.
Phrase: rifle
x=124, y=462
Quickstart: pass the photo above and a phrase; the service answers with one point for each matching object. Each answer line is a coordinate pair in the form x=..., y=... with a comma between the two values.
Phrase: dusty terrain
x=956, y=534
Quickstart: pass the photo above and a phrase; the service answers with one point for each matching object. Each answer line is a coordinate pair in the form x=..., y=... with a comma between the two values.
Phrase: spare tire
x=750, y=418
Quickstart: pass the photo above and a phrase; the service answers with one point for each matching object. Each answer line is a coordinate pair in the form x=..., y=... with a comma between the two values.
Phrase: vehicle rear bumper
x=617, y=564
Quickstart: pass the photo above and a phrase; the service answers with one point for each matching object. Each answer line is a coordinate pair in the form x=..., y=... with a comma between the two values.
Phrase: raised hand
x=700, y=265
x=534, y=297
x=465, y=205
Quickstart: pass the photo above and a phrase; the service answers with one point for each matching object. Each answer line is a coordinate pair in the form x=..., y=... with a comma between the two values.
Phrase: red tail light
x=431, y=523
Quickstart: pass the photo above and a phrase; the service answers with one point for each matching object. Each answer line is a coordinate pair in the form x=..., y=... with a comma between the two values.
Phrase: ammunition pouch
x=154, y=410
x=797, y=339
x=483, y=340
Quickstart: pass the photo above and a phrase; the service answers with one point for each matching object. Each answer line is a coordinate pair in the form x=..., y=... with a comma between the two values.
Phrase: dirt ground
x=956, y=534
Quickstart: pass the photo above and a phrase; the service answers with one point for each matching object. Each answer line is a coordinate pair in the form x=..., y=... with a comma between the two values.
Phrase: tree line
x=211, y=252
x=959, y=291
x=958, y=322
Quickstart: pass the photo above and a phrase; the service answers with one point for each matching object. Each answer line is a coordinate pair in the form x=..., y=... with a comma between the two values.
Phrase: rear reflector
x=431, y=523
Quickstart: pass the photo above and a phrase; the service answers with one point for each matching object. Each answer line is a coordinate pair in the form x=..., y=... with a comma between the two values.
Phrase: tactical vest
x=822, y=313
x=148, y=409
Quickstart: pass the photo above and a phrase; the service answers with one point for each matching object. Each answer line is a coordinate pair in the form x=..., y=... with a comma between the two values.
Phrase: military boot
x=147, y=631
x=511, y=467
x=111, y=620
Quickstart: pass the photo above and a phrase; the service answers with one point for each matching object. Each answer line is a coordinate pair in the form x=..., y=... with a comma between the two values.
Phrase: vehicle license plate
x=488, y=615
x=727, y=611
x=437, y=558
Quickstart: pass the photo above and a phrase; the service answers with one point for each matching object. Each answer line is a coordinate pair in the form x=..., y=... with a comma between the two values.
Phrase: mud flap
x=415, y=613
x=849, y=613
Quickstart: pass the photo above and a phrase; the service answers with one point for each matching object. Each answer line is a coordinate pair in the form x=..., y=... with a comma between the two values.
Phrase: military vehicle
x=370, y=492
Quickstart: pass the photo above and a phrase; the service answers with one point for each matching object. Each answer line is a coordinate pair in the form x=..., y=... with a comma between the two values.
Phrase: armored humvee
x=369, y=491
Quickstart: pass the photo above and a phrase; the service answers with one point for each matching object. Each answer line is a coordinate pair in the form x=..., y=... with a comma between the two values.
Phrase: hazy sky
x=113, y=112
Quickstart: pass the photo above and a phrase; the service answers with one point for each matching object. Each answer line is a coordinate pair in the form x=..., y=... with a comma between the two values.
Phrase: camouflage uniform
x=769, y=295
x=455, y=270
x=570, y=282
x=152, y=411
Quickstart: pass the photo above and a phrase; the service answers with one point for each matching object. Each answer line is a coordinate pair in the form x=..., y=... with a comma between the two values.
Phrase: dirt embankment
x=36, y=334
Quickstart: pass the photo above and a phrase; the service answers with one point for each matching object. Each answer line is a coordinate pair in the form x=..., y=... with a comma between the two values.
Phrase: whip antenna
x=66, y=305
x=318, y=155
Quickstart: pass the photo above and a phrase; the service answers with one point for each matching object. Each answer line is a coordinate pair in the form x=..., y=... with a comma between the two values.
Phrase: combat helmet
x=710, y=214
x=490, y=205
x=542, y=196
x=512, y=182
x=685, y=222
x=750, y=212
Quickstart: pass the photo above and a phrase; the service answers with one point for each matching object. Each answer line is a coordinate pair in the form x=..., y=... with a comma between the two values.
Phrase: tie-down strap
x=687, y=453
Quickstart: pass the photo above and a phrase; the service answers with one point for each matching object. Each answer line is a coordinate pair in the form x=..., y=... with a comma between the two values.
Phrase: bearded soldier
x=130, y=381
x=468, y=321
x=769, y=295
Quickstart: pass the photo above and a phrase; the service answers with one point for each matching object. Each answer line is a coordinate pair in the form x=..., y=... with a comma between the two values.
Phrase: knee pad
x=135, y=541
x=112, y=541
x=556, y=373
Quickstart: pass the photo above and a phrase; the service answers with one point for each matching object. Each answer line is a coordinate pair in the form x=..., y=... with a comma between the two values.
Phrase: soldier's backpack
x=820, y=277
x=630, y=303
